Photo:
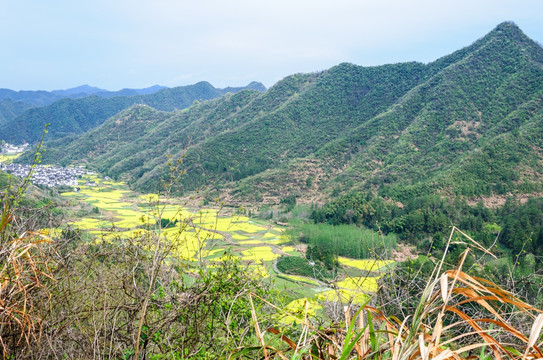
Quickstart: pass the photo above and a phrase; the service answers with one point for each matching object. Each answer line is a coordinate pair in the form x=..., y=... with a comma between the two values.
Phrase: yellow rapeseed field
x=365, y=264
x=231, y=224
x=8, y=158
x=259, y=254
x=288, y=249
x=130, y=216
x=297, y=311
x=355, y=289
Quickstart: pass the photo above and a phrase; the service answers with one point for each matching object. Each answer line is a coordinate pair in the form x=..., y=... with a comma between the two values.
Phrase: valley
x=370, y=212
x=204, y=236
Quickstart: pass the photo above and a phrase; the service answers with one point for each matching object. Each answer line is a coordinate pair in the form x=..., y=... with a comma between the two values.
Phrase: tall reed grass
x=458, y=316
x=347, y=240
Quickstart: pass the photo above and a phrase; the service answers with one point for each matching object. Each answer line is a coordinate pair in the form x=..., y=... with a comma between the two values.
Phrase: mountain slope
x=463, y=108
x=36, y=98
x=462, y=124
x=78, y=91
x=131, y=92
x=293, y=119
x=144, y=148
x=10, y=109
x=44, y=98
x=75, y=116
x=324, y=109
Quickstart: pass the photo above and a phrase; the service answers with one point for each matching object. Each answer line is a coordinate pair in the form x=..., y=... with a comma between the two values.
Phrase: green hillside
x=36, y=98
x=468, y=124
x=488, y=99
x=75, y=116
x=44, y=98
x=10, y=109
x=297, y=116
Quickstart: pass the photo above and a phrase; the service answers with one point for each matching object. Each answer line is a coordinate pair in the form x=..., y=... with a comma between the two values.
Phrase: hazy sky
x=114, y=44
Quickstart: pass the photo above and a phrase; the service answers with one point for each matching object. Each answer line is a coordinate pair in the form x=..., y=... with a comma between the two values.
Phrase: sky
x=115, y=44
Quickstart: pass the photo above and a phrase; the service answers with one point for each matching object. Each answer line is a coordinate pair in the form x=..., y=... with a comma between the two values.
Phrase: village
x=45, y=175
x=13, y=149
x=50, y=176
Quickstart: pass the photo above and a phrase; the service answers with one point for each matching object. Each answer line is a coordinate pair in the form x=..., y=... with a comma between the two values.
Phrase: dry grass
x=459, y=317
x=24, y=268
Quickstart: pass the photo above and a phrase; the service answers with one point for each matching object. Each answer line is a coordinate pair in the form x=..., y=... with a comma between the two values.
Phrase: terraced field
x=204, y=236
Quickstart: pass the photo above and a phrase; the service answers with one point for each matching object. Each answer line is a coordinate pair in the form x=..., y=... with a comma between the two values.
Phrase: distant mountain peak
x=253, y=85
x=82, y=89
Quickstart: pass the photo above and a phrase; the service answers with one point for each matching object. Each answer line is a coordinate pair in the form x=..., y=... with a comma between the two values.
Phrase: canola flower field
x=205, y=236
x=8, y=158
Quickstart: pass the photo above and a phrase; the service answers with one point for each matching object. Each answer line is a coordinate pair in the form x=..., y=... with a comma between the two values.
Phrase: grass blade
x=534, y=334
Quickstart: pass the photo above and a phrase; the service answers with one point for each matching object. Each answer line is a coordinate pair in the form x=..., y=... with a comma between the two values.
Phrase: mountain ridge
x=10, y=109
x=399, y=129
x=73, y=116
x=44, y=98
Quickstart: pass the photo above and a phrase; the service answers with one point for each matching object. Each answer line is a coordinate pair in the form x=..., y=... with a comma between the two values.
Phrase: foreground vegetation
x=122, y=283
x=403, y=153
x=456, y=316
x=137, y=296
x=145, y=257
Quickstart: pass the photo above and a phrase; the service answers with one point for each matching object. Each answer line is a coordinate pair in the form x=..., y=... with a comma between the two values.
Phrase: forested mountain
x=78, y=91
x=10, y=109
x=469, y=123
x=260, y=123
x=468, y=127
x=36, y=98
x=43, y=98
x=130, y=92
x=75, y=116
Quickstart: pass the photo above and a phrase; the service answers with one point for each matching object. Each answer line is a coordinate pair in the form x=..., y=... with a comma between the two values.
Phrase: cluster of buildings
x=13, y=149
x=47, y=175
